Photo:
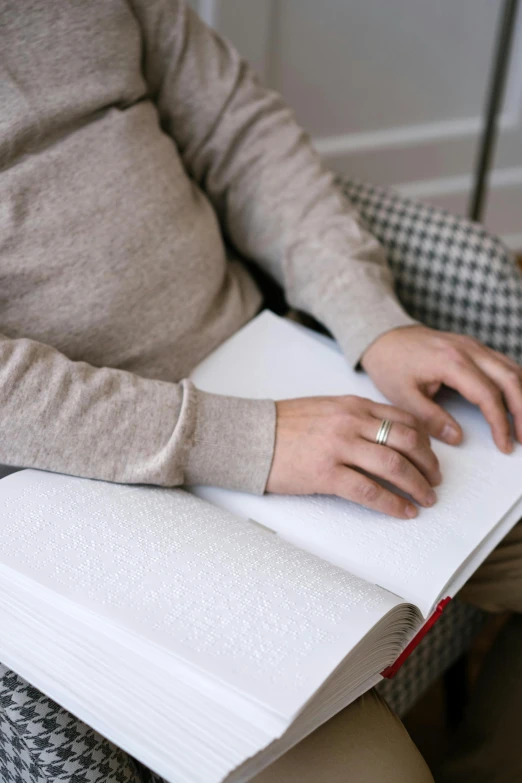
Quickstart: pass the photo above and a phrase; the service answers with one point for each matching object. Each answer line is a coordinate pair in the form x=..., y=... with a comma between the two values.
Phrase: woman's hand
x=327, y=445
x=410, y=364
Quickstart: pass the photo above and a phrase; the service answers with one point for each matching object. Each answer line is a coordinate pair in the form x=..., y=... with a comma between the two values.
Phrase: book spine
x=392, y=670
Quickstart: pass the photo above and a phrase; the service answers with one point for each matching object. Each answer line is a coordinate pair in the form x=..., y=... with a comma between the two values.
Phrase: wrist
x=382, y=343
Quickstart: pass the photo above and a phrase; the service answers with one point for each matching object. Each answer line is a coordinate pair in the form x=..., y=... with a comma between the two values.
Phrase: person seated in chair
x=142, y=168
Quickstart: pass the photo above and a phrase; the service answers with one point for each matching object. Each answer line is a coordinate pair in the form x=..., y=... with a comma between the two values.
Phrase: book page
x=223, y=595
x=274, y=358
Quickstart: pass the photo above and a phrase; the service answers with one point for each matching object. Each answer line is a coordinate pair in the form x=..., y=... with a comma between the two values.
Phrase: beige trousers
x=367, y=743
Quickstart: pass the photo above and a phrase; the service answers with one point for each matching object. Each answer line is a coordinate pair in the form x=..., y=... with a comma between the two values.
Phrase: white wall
x=391, y=90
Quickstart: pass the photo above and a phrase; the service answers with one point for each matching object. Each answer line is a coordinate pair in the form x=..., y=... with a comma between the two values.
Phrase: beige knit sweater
x=133, y=141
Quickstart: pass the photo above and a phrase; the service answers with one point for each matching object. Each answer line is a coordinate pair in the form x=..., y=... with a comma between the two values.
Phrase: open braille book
x=206, y=632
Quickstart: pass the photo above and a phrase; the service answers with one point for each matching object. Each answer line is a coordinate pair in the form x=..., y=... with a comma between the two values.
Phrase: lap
x=497, y=585
x=41, y=742
x=365, y=742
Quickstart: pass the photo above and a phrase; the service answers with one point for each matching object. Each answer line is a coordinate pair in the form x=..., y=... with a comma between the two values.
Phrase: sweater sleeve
x=277, y=203
x=102, y=423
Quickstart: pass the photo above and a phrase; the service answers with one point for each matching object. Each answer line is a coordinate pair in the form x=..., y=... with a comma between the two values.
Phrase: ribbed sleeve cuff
x=232, y=444
x=356, y=335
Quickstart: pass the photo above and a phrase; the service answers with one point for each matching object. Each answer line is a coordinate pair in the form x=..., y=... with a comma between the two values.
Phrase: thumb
x=436, y=420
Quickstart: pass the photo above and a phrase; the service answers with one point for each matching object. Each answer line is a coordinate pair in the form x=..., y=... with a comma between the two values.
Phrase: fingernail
x=508, y=446
x=431, y=497
x=450, y=434
x=411, y=512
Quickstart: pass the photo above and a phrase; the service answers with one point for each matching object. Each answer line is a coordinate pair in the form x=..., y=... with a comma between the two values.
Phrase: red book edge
x=392, y=670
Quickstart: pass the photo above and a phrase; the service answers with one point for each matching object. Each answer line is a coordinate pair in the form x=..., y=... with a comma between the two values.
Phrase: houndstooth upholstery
x=451, y=275
x=42, y=743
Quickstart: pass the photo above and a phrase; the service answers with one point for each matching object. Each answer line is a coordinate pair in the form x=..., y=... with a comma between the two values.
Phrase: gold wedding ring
x=384, y=431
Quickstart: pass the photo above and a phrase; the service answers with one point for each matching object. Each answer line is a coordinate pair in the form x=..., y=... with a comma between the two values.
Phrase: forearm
x=282, y=208
x=103, y=423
